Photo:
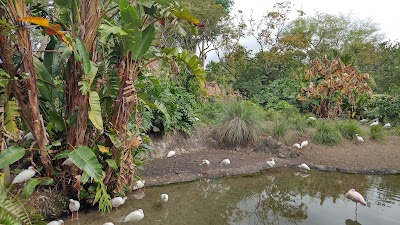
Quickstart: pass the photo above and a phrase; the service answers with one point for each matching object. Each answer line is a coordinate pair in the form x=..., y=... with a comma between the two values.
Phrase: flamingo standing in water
x=356, y=197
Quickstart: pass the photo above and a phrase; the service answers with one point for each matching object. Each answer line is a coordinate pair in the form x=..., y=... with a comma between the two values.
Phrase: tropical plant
x=240, y=124
x=384, y=107
x=331, y=89
x=326, y=134
x=89, y=104
x=349, y=129
x=12, y=210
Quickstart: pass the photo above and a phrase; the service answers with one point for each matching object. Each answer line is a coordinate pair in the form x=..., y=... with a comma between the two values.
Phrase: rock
x=293, y=154
x=282, y=156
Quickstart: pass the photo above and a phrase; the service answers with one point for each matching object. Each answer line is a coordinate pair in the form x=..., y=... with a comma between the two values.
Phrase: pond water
x=277, y=196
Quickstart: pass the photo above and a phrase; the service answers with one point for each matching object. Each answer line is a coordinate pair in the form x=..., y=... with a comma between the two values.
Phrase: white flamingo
x=134, y=216
x=387, y=125
x=164, y=197
x=118, y=201
x=271, y=163
x=25, y=175
x=139, y=184
x=304, y=144
x=225, y=162
x=74, y=206
x=359, y=138
x=304, y=167
x=59, y=222
x=170, y=154
x=297, y=145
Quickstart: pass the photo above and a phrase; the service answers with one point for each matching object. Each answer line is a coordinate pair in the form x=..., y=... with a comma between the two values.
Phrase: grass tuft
x=326, y=134
x=240, y=124
x=349, y=129
x=377, y=132
x=279, y=130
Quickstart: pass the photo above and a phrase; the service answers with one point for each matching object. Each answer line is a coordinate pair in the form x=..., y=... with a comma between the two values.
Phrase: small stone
x=282, y=156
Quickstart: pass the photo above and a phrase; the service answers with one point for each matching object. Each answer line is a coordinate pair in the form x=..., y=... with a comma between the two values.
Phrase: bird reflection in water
x=351, y=222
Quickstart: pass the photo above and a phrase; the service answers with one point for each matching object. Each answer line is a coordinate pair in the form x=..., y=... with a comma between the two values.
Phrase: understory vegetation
x=87, y=82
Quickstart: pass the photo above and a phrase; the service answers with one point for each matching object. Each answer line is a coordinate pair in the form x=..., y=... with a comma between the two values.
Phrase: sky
x=384, y=12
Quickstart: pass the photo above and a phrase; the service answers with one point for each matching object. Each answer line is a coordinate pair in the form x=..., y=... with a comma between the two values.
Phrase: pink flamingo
x=356, y=197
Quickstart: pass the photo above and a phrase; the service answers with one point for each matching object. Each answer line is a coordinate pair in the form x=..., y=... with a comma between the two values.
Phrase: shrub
x=377, y=132
x=384, y=107
x=286, y=89
x=326, y=134
x=349, y=129
x=209, y=112
x=240, y=124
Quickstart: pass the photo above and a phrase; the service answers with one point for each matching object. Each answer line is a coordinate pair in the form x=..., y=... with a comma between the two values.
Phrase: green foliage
x=12, y=211
x=286, y=89
x=11, y=155
x=349, y=129
x=167, y=106
x=326, y=134
x=384, y=107
x=387, y=70
x=280, y=130
x=377, y=132
x=396, y=130
x=84, y=158
x=240, y=124
x=209, y=112
x=250, y=80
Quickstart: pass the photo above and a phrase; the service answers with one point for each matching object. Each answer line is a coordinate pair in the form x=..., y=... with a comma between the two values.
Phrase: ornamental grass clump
x=241, y=124
x=326, y=134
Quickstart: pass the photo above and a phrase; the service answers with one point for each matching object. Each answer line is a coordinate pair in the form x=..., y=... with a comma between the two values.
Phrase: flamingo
x=374, y=123
x=304, y=144
x=164, y=197
x=25, y=175
x=387, y=125
x=297, y=145
x=59, y=222
x=170, y=154
x=225, y=162
x=304, y=167
x=118, y=201
x=74, y=206
x=359, y=138
x=271, y=163
x=206, y=164
x=356, y=197
x=108, y=223
x=139, y=184
x=363, y=121
x=134, y=216
x=311, y=118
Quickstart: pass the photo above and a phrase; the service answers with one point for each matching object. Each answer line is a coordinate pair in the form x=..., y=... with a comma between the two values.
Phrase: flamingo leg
x=77, y=214
x=72, y=216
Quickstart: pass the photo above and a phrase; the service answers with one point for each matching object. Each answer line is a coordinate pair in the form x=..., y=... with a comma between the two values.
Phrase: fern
x=102, y=197
x=13, y=212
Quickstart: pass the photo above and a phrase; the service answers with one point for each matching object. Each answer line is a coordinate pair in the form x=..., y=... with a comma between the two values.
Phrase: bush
x=240, y=124
x=384, y=107
x=377, y=132
x=326, y=134
x=349, y=129
x=209, y=112
x=286, y=89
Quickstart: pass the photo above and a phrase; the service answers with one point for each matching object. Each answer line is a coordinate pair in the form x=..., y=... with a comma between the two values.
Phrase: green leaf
x=186, y=15
x=146, y=3
x=58, y=121
x=114, y=139
x=30, y=187
x=129, y=14
x=95, y=110
x=11, y=155
x=83, y=55
x=103, y=149
x=11, y=112
x=112, y=163
x=107, y=30
x=46, y=181
x=62, y=155
x=143, y=46
x=84, y=158
x=92, y=73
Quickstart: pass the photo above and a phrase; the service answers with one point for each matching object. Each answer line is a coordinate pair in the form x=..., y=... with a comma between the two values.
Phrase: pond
x=277, y=196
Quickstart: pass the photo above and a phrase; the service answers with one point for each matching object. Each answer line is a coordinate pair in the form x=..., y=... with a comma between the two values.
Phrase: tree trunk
x=25, y=90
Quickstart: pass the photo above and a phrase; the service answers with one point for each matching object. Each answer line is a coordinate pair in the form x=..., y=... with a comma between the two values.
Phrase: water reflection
x=278, y=196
